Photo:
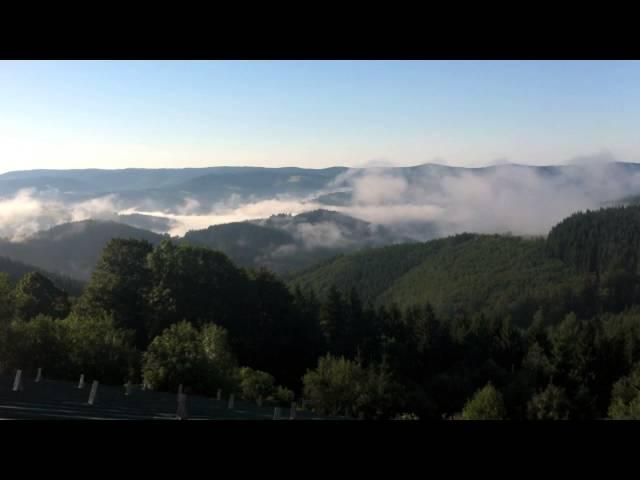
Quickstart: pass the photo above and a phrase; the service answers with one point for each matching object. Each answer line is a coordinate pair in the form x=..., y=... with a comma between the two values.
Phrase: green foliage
x=486, y=404
x=96, y=347
x=38, y=343
x=407, y=416
x=598, y=241
x=550, y=404
x=267, y=333
x=339, y=386
x=7, y=302
x=538, y=363
x=625, y=397
x=334, y=385
x=36, y=295
x=255, y=384
x=198, y=358
x=148, y=289
x=282, y=396
x=192, y=283
x=119, y=284
x=66, y=348
x=492, y=274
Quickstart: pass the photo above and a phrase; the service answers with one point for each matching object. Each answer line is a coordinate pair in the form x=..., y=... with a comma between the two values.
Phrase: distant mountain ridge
x=167, y=188
x=148, y=203
x=16, y=270
x=283, y=242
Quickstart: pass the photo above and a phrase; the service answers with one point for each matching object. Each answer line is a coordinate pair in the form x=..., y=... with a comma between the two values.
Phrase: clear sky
x=155, y=114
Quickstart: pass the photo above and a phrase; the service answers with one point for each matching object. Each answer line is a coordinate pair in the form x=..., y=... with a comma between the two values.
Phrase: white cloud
x=26, y=213
x=510, y=198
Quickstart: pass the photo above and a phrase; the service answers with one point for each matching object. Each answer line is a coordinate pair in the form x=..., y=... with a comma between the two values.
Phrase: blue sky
x=111, y=114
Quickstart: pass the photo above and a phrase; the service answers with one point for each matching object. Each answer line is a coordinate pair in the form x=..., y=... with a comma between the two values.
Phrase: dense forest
x=466, y=327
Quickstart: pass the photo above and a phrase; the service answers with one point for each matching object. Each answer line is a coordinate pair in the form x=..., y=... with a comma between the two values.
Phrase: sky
x=314, y=114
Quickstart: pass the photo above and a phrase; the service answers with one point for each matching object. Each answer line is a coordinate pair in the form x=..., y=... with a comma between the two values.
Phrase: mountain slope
x=596, y=241
x=245, y=243
x=468, y=272
x=286, y=243
x=283, y=243
x=71, y=249
x=16, y=270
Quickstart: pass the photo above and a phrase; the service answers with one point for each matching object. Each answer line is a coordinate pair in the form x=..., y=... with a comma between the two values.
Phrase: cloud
x=322, y=234
x=28, y=212
x=510, y=198
x=224, y=213
x=435, y=200
x=421, y=202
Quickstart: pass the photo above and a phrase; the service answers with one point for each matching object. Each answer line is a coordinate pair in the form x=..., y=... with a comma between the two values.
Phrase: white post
x=127, y=388
x=182, y=413
x=81, y=382
x=219, y=397
x=94, y=391
x=17, y=382
x=276, y=413
x=231, y=400
x=39, y=375
x=292, y=412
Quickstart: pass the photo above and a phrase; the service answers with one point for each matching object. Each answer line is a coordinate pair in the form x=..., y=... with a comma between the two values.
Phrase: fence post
x=93, y=393
x=17, y=382
x=182, y=413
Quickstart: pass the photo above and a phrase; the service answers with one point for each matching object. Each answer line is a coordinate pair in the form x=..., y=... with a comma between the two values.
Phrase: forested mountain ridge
x=72, y=249
x=496, y=274
x=505, y=330
x=283, y=243
x=598, y=241
x=16, y=270
x=287, y=243
x=468, y=272
x=219, y=190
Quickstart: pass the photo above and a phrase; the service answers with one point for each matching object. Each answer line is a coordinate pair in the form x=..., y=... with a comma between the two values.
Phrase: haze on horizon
x=314, y=114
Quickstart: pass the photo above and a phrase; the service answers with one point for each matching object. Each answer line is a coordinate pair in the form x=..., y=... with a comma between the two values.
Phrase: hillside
x=463, y=273
x=499, y=274
x=283, y=243
x=71, y=249
x=245, y=243
x=598, y=241
x=16, y=270
x=286, y=243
